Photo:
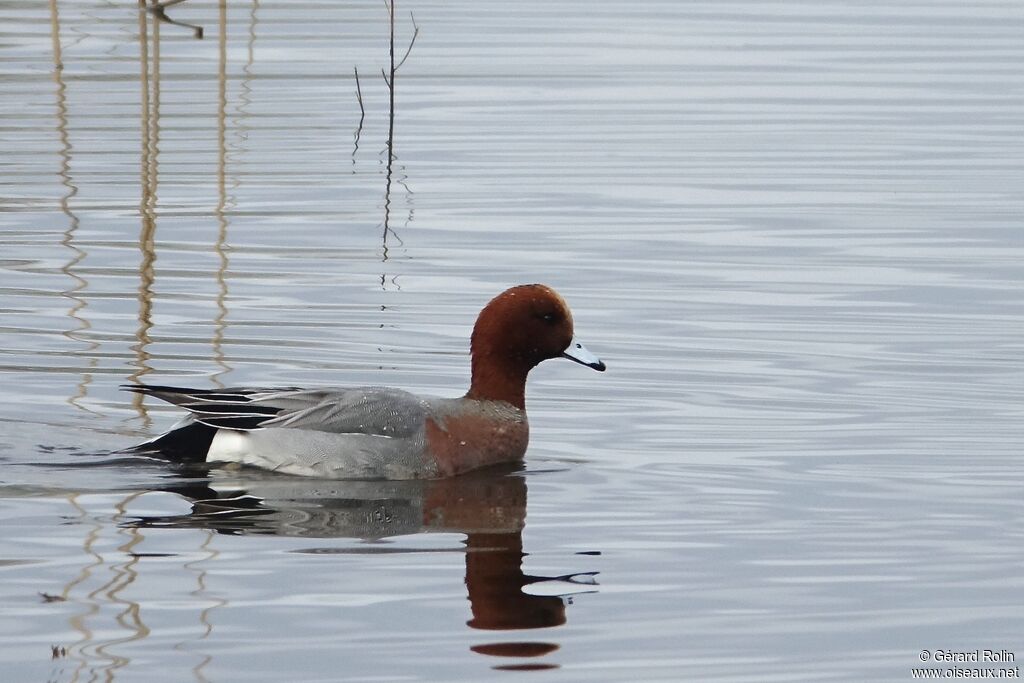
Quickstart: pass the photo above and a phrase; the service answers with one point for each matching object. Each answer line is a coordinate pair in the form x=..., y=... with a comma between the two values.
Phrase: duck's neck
x=499, y=379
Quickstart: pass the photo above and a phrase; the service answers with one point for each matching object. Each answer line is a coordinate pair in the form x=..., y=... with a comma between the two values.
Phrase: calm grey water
x=792, y=229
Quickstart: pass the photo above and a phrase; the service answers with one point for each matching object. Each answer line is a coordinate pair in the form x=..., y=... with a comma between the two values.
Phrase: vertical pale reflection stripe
x=76, y=255
x=124, y=575
x=147, y=204
x=80, y=622
x=222, y=195
x=201, y=594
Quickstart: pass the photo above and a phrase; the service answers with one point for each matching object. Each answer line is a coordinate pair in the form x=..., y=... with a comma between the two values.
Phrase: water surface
x=792, y=230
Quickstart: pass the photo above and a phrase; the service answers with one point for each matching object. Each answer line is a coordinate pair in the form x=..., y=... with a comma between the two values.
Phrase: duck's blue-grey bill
x=578, y=352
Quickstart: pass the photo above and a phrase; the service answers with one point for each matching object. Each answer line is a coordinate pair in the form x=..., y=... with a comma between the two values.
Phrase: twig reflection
x=390, y=78
x=362, y=116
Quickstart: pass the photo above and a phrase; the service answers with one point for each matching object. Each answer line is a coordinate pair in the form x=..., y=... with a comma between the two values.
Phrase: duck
x=376, y=432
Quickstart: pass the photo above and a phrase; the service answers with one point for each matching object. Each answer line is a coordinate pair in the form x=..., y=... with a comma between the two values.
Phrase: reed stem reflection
x=78, y=283
x=221, y=246
x=150, y=93
x=128, y=618
x=79, y=623
x=198, y=567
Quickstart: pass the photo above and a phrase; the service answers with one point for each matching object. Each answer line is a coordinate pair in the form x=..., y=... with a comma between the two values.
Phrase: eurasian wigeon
x=380, y=432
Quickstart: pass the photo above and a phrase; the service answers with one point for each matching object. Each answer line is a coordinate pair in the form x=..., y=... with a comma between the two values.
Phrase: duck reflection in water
x=488, y=506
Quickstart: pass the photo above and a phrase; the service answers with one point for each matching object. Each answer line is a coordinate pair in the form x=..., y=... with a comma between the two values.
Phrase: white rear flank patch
x=259, y=449
x=229, y=445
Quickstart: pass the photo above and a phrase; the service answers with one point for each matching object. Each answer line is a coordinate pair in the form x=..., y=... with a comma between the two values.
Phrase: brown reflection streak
x=79, y=283
x=147, y=205
x=87, y=649
x=200, y=593
x=79, y=622
x=130, y=618
x=93, y=652
x=221, y=246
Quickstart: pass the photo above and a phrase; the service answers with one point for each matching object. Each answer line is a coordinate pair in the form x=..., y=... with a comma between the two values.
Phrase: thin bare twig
x=362, y=116
x=390, y=75
x=416, y=32
x=391, y=43
x=359, y=98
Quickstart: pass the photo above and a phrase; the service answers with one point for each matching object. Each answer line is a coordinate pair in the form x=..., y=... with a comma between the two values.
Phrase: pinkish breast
x=463, y=442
